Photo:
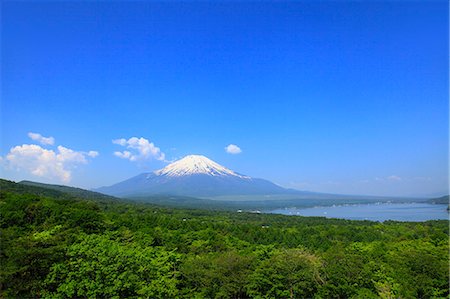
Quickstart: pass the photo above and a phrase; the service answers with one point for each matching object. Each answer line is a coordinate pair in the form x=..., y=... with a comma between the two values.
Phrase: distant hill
x=440, y=200
x=13, y=187
x=54, y=191
x=75, y=192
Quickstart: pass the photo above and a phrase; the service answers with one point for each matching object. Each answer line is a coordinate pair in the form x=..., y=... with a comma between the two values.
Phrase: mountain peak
x=193, y=175
x=196, y=164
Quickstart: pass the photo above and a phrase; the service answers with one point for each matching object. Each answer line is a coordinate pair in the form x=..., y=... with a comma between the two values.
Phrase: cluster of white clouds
x=140, y=149
x=41, y=161
x=233, y=149
x=47, y=163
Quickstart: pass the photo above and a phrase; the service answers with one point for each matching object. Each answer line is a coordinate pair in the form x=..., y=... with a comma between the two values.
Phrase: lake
x=374, y=212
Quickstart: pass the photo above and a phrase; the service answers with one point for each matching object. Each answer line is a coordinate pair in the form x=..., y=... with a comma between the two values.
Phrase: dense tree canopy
x=64, y=247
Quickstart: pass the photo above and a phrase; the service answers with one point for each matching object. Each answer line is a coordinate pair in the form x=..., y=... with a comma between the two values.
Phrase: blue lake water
x=374, y=212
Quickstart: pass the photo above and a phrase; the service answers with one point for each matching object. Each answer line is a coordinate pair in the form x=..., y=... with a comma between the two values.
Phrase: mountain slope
x=54, y=191
x=193, y=175
x=197, y=164
x=73, y=191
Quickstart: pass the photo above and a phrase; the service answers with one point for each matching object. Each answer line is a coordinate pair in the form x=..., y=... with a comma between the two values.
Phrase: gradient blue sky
x=342, y=97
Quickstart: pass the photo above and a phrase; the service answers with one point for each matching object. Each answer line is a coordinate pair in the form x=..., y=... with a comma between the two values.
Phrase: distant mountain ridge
x=440, y=200
x=73, y=191
x=49, y=190
x=194, y=175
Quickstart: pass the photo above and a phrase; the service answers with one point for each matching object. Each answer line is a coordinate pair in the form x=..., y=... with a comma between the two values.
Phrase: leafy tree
x=100, y=266
x=288, y=273
x=223, y=275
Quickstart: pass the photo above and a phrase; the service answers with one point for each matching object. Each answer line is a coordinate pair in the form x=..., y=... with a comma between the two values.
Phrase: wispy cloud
x=41, y=139
x=233, y=149
x=394, y=178
x=41, y=162
x=139, y=149
x=391, y=178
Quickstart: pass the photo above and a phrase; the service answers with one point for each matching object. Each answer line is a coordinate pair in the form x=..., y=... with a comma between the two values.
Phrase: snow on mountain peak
x=196, y=164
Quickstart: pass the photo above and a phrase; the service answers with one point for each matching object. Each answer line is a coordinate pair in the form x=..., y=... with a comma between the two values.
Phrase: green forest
x=57, y=244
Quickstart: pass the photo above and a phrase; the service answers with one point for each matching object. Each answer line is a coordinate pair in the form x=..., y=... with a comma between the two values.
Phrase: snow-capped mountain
x=193, y=175
x=196, y=164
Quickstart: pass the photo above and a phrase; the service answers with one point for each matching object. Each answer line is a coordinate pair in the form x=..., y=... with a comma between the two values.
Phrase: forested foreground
x=60, y=248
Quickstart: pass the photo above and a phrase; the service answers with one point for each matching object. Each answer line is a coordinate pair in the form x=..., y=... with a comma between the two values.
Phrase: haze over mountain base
x=197, y=181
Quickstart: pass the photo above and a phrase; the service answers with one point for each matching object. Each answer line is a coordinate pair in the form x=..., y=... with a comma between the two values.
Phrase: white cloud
x=92, y=154
x=121, y=141
x=68, y=155
x=41, y=139
x=46, y=163
x=139, y=149
x=124, y=154
x=233, y=149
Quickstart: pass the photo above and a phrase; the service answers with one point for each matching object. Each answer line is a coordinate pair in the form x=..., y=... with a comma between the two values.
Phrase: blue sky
x=342, y=97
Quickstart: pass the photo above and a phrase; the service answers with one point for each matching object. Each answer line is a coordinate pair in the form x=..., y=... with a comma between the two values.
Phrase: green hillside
x=72, y=191
x=56, y=245
x=9, y=186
